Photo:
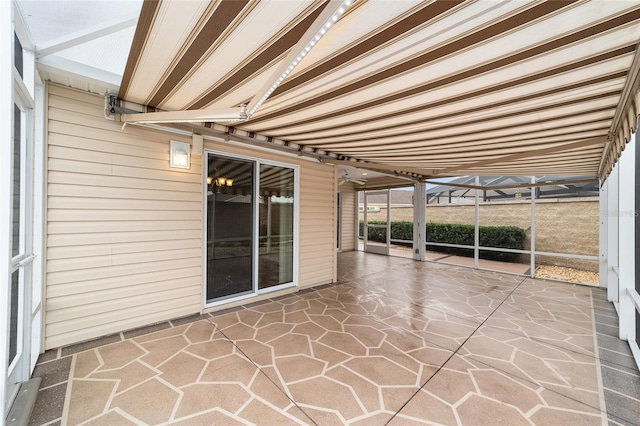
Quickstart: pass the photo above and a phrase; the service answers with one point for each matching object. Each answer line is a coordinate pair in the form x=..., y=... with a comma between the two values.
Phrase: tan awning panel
x=436, y=87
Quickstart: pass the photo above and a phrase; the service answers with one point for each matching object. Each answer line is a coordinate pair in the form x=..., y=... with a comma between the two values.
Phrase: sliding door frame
x=256, y=291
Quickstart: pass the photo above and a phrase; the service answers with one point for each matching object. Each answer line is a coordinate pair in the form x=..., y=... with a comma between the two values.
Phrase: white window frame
x=23, y=91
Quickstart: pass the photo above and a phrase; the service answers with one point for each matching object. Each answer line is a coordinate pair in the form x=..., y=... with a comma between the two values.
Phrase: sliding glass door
x=230, y=218
x=276, y=225
x=250, y=230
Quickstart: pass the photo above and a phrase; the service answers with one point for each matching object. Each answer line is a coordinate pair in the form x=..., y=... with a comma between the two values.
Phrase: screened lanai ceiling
x=502, y=188
x=429, y=88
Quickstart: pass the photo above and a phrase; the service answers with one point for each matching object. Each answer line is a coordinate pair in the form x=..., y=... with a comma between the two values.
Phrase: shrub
x=399, y=231
x=510, y=237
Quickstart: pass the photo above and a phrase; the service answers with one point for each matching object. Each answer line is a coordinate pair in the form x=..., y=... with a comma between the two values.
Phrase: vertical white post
x=269, y=213
x=6, y=124
x=613, y=198
x=356, y=236
x=420, y=221
x=476, y=236
x=365, y=230
x=388, y=222
x=39, y=198
x=626, y=246
x=532, y=248
x=603, y=196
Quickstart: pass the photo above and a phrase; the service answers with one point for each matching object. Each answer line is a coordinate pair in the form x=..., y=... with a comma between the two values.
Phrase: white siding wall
x=348, y=216
x=124, y=230
x=317, y=225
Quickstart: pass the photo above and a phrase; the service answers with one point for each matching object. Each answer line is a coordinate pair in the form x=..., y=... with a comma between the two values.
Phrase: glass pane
x=376, y=221
x=17, y=54
x=230, y=221
x=276, y=226
x=505, y=223
x=401, y=216
x=451, y=221
x=13, y=321
x=567, y=222
x=377, y=235
x=15, y=207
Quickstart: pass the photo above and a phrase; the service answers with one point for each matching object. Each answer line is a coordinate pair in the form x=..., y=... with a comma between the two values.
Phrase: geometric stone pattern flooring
x=620, y=376
x=394, y=342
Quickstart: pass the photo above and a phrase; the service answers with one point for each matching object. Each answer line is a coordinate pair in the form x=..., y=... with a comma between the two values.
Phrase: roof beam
x=526, y=154
x=86, y=35
x=521, y=185
x=189, y=116
x=21, y=30
x=75, y=70
x=378, y=166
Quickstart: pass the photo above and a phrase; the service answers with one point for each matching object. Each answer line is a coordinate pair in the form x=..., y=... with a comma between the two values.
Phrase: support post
x=356, y=219
x=420, y=221
x=626, y=246
x=635, y=290
x=604, y=220
x=613, y=200
x=476, y=237
x=532, y=266
x=365, y=230
x=269, y=207
x=388, y=222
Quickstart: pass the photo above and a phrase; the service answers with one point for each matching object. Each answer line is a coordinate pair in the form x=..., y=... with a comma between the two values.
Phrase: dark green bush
x=510, y=237
x=399, y=231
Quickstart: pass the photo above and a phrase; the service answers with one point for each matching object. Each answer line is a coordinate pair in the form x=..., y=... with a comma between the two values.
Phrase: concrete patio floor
x=449, y=259
x=559, y=274
x=394, y=342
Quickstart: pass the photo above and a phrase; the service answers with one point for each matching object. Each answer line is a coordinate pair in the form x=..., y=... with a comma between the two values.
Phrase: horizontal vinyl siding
x=317, y=225
x=348, y=215
x=124, y=230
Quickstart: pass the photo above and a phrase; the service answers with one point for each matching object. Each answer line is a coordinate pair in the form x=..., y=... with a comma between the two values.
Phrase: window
x=17, y=55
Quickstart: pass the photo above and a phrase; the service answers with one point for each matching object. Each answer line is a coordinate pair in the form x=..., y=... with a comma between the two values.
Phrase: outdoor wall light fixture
x=180, y=155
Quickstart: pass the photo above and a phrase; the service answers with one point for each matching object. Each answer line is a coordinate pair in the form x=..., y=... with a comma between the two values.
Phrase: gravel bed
x=571, y=275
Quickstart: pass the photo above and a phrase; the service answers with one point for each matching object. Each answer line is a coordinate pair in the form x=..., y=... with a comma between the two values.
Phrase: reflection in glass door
x=230, y=219
x=275, y=263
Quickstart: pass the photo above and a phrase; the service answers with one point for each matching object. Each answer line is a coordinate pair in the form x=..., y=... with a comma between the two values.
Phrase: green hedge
x=510, y=237
x=399, y=231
